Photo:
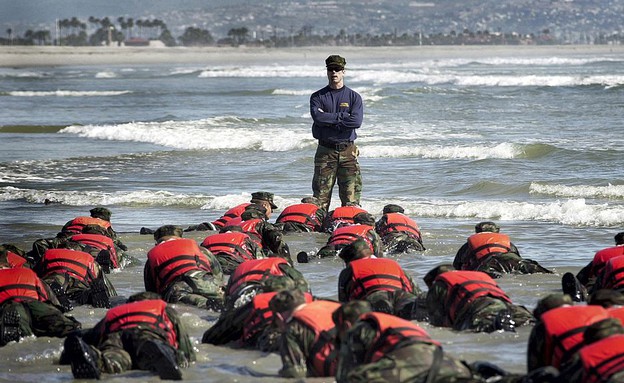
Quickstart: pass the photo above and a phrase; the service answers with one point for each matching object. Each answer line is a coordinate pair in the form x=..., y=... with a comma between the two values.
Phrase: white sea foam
x=207, y=134
x=263, y=71
x=68, y=93
x=293, y=92
x=106, y=74
x=503, y=150
x=579, y=191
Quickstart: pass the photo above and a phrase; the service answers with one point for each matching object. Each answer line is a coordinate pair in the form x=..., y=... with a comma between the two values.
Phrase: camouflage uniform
x=331, y=165
x=119, y=351
x=482, y=314
x=43, y=317
x=272, y=238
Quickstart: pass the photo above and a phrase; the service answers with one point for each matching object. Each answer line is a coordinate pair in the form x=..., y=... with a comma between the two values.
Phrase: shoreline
x=45, y=56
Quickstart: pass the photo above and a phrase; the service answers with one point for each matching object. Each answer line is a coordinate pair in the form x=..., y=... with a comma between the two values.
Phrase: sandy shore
x=33, y=56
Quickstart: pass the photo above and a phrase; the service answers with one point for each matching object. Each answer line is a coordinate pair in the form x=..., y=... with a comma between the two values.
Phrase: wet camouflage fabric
x=197, y=288
x=497, y=264
x=410, y=361
x=342, y=167
x=117, y=351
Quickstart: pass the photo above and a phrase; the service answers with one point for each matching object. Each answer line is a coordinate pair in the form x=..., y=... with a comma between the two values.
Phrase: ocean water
x=531, y=141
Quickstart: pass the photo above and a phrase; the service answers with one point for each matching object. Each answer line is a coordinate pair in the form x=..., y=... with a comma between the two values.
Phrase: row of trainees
x=487, y=250
x=470, y=296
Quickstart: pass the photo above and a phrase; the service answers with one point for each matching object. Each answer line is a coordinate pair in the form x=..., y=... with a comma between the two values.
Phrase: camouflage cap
x=335, y=61
x=351, y=311
x=364, y=219
x=168, y=231
x=392, y=208
x=602, y=329
x=101, y=212
x=433, y=273
x=355, y=250
x=143, y=296
x=254, y=210
x=286, y=300
x=549, y=302
x=277, y=283
x=312, y=200
x=487, y=226
x=263, y=196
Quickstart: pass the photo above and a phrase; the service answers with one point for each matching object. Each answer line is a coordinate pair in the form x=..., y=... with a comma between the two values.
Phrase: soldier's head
x=606, y=298
x=619, y=238
x=143, y=296
x=364, y=219
x=93, y=229
x=433, y=273
x=284, y=303
x=312, y=200
x=277, y=283
x=602, y=329
x=357, y=249
x=392, y=208
x=265, y=199
x=101, y=213
x=253, y=211
x=346, y=315
x=549, y=302
x=166, y=232
x=487, y=226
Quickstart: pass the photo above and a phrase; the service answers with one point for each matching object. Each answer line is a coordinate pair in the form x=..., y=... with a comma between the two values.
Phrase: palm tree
x=9, y=32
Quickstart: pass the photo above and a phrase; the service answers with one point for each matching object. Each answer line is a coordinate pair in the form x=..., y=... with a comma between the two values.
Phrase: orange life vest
x=170, y=259
x=323, y=356
x=15, y=260
x=397, y=222
x=304, y=213
x=234, y=212
x=261, y=316
x=601, y=257
x=612, y=276
x=250, y=228
x=344, y=214
x=346, y=235
x=253, y=271
x=374, y=274
x=392, y=330
x=231, y=244
x=464, y=286
x=602, y=359
x=564, y=329
x=148, y=313
x=77, y=264
x=98, y=241
x=20, y=283
x=77, y=224
x=487, y=243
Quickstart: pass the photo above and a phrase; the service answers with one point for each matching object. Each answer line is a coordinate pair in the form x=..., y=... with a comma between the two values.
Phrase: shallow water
x=529, y=141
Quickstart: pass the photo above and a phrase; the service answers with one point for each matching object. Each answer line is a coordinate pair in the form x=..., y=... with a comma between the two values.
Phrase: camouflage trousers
x=410, y=364
x=342, y=166
x=196, y=288
x=41, y=319
x=488, y=314
x=118, y=352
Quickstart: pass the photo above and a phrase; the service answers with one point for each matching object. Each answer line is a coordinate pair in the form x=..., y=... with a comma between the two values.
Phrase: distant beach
x=37, y=56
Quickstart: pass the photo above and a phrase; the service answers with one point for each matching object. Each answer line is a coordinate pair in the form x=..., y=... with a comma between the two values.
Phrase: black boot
x=158, y=357
x=10, y=323
x=99, y=294
x=104, y=260
x=84, y=361
x=61, y=296
x=571, y=286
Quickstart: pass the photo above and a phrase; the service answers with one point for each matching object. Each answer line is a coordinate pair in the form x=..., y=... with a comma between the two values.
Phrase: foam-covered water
x=532, y=142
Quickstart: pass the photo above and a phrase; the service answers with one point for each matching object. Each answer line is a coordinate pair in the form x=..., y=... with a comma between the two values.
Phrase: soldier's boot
x=10, y=323
x=104, y=260
x=504, y=321
x=99, y=294
x=146, y=230
x=62, y=297
x=84, y=361
x=571, y=286
x=158, y=357
x=302, y=257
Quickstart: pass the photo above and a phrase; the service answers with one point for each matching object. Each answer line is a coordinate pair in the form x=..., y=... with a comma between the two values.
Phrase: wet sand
x=38, y=56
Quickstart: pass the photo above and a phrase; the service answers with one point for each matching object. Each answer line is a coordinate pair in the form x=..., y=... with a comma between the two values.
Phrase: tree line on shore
x=128, y=31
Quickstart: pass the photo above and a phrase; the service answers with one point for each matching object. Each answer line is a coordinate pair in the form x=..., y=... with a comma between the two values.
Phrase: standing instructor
x=337, y=111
